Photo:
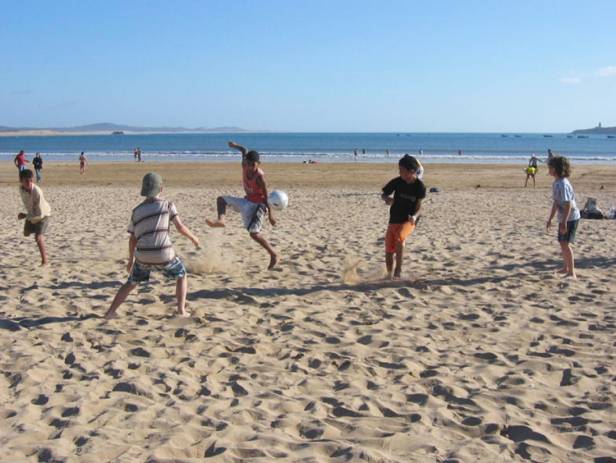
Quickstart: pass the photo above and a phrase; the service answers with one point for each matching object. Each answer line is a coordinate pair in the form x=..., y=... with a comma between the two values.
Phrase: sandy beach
x=483, y=352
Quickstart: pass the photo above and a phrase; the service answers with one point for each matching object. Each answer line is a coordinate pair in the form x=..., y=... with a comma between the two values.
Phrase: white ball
x=278, y=199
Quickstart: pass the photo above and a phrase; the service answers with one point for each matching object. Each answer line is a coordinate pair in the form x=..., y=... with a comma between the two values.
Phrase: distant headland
x=108, y=128
x=598, y=130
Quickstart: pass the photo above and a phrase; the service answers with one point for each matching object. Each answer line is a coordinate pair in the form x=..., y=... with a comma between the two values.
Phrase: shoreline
x=589, y=179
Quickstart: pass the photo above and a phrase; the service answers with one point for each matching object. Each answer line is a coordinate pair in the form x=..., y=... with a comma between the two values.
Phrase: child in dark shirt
x=408, y=192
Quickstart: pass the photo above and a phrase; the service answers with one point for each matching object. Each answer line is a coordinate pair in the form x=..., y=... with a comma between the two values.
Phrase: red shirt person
x=20, y=160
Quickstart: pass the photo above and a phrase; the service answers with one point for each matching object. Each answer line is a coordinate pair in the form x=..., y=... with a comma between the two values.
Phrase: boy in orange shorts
x=408, y=192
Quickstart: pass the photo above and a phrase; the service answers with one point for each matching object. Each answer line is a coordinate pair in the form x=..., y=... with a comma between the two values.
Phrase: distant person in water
x=550, y=154
x=253, y=207
x=83, y=161
x=138, y=154
x=563, y=198
x=460, y=152
x=37, y=163
x=355, y=155
x=20, y=161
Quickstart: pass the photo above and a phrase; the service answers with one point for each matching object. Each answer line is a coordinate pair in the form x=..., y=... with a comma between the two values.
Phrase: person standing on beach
x=37, y=163
x=150, y=247
x=37, y=212
x=20, y=161
x=83, y=161
x=404, y=209
x=253, y=206
x=531, y=170
x=568, y=213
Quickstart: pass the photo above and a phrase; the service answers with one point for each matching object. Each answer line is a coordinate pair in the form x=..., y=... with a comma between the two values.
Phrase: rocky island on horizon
x=598, y=130
x=108, y=128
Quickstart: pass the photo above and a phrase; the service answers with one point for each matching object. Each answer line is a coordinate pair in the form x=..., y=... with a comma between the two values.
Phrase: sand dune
x=481, y=353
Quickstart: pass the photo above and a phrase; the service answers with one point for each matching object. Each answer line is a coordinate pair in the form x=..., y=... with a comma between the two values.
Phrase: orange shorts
x=397, y=233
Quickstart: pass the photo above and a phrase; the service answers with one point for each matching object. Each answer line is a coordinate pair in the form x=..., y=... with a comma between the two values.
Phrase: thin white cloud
x=570, y=80
x=607, y=71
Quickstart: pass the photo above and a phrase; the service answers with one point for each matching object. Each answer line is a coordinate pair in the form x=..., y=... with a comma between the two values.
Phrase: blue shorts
x=569, y=236
x=141, y=272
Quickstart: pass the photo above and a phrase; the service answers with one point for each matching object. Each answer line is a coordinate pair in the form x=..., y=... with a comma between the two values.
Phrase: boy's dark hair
x=252, y=156
x=26, y=173
x=561, y=166
x=409, y=163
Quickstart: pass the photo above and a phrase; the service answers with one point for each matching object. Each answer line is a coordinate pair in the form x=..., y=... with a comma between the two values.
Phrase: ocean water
x=321, y=147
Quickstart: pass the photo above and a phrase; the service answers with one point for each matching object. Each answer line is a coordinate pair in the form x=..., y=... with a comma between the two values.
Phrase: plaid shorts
x=38, y=228
x=141, y=272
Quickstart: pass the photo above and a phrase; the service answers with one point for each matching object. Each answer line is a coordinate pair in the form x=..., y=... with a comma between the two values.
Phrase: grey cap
x=152, y=184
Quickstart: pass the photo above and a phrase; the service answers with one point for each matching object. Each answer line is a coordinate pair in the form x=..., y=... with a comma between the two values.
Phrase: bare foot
x=273, y=261
x=389, y=276
x=573, y=276
x=184, y=314
x=110, y=315
x=563, y=270
x=215, y=223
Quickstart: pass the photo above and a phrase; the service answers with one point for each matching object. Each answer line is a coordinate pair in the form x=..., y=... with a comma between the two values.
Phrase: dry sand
x=481, y=353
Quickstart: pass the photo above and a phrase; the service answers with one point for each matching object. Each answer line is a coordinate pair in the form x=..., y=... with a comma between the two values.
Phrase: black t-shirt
x=37, y=163
x=406, y=196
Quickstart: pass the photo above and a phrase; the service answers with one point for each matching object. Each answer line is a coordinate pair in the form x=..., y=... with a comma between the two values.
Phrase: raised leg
x=221, y=208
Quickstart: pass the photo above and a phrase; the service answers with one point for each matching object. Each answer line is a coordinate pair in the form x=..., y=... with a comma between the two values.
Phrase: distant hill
x=108, y=127
x=596, y=131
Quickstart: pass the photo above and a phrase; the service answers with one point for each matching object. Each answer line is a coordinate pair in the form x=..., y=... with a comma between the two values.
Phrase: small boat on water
x=547, y=136
x=117, y=132
x=611, y=136
x=582, y=136
x=504, y=136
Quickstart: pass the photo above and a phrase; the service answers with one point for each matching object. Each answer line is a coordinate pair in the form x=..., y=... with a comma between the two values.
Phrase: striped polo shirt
x=149, y=223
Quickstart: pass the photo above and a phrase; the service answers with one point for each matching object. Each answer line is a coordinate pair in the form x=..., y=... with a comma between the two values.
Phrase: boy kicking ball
x=253, y=206
x=149, y=245
x=408, y=193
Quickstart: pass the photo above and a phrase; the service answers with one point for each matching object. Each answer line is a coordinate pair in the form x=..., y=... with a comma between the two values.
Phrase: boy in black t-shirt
x=408, y=192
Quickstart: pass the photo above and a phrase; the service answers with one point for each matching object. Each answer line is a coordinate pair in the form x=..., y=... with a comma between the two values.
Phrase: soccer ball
x=278, y=199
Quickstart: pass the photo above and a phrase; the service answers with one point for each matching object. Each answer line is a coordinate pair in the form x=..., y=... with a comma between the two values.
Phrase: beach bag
x=591, y=211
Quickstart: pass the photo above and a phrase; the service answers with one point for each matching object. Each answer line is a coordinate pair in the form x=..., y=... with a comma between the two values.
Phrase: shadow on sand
x=15, y=324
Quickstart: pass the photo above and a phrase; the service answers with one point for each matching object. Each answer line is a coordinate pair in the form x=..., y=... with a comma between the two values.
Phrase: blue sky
x=435, y=66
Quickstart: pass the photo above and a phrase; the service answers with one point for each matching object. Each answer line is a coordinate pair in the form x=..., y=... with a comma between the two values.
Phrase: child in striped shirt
x=150, y=247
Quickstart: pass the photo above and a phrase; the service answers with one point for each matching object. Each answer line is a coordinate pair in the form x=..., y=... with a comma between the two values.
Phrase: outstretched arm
x=238, y=147
x=183, y=230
